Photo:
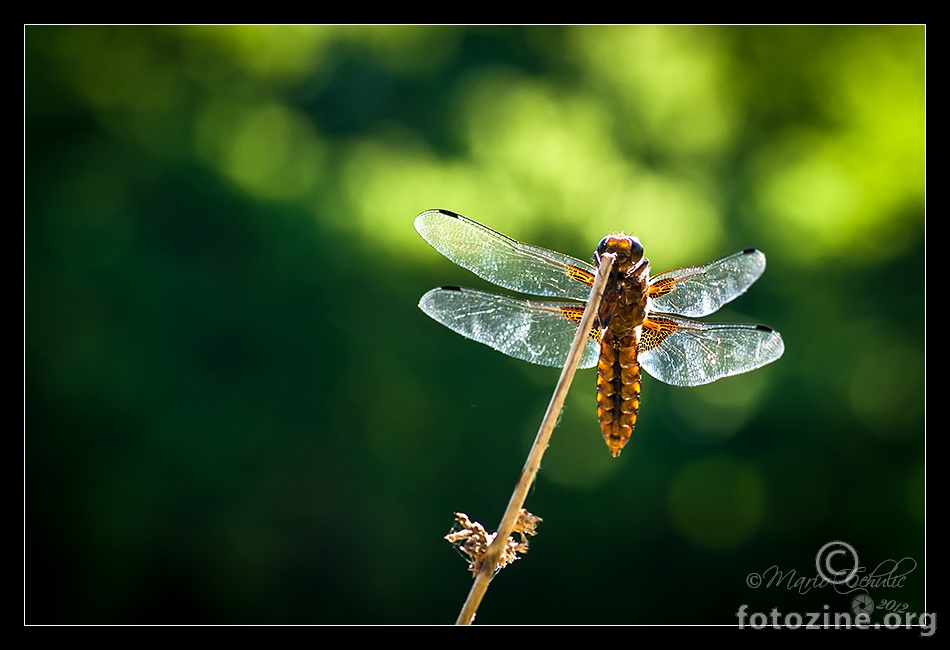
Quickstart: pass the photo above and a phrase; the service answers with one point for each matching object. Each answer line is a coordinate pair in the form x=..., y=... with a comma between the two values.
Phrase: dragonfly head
x=627, y=248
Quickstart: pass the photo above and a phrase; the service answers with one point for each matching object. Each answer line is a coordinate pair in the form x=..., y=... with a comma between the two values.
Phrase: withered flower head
x=471, y=539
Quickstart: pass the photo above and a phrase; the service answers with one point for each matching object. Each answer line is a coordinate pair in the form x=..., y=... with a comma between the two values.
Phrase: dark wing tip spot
x=448, y=213
x=451, y=288
x=749, y=251
x=764, y=328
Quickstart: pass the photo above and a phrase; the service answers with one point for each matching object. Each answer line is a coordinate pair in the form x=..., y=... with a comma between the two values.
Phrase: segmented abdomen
x=618, y=389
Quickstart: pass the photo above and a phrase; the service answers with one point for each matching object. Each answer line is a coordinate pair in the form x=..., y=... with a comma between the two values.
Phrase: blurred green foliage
x=235, y=413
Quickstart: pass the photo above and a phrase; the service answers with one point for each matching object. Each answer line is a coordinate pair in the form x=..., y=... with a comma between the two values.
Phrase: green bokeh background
x=235, y=412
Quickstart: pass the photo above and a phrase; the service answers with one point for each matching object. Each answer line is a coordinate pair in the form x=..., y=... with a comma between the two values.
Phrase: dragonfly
x=643, y=322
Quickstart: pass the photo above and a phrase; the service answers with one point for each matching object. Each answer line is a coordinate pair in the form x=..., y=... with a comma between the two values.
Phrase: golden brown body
x=621, y=317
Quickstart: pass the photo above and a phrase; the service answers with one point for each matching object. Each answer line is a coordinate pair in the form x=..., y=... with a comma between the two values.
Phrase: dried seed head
x=471, y=539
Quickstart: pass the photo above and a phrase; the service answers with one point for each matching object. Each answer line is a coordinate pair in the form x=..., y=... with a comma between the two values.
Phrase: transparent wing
x=688, y=353
x=700, y=290
x=539, y=332
x=503, y=260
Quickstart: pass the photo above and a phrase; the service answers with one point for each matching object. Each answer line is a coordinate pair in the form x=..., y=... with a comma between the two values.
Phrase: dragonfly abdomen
x=618, y=390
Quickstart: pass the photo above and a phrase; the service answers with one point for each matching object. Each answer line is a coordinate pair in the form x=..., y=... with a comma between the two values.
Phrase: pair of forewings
x=675, y=350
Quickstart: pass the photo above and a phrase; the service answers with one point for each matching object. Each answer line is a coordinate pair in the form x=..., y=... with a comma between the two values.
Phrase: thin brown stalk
x=486, y=568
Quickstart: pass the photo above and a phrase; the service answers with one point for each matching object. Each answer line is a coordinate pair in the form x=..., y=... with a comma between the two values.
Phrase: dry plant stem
x=487, y=568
